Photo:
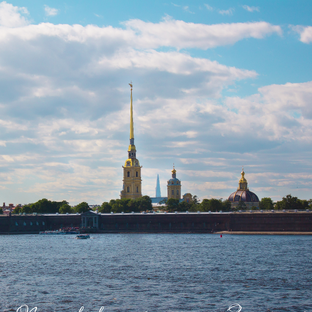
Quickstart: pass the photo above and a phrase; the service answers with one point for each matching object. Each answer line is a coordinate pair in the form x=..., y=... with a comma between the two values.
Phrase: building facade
x=132, y=182
x=174, y=186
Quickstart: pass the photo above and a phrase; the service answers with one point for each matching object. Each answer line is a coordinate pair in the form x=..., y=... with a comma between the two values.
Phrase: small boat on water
x=83, y=236
x=63, y=231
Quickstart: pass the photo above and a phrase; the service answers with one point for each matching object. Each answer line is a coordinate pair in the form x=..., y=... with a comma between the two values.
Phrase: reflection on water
x=156, y=272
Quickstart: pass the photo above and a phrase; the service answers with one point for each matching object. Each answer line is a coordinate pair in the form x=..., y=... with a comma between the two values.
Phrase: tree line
x=144, y=203
x=287, y=203
x=115, y=205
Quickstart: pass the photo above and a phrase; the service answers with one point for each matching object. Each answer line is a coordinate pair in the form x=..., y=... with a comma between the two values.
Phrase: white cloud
x=50, y=11
x=278, y=112
x=208, y=7
x=227, y=12
x=305, y=33
x=251, y=9
x=189, y=35
x=11, y=16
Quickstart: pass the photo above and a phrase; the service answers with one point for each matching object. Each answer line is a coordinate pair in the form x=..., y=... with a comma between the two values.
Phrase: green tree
x=65, y=208
x=226, y=205
x=266, y=203
x=172, y=204
x=183, y=206
x=121, y=205
x=105, y=208
x=27, y=209
x=303, y=203
x=144, y=203
x=17, y=210
x=1, y=211
x=289, y=202
x=211, y=205
x=82, y=207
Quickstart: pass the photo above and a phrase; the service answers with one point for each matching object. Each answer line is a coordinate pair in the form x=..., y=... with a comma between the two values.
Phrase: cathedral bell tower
x=174, y=186
x=132, y=182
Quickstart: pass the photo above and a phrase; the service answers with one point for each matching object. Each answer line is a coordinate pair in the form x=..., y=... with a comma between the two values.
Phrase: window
x=172, y=192
x=137, y=189
x=128, y=174
x=128, y=189
x=136, y=174
x=177, y=192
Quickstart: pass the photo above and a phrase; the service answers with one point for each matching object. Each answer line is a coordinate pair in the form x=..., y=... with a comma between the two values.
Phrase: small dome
x=174, y=181
x=244, y=196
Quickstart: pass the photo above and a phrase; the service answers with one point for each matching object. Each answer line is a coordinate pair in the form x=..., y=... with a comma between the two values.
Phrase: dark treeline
x=287, y=203
x=47, y=206
x=145, y=204
x=115, y=205
x=212, y=205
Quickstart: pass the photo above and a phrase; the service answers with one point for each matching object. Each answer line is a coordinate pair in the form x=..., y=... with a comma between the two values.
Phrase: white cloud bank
x=64, y=107
x=12, y=16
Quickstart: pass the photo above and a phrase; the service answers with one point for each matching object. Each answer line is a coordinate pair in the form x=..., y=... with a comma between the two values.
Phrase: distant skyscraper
x=158, y=194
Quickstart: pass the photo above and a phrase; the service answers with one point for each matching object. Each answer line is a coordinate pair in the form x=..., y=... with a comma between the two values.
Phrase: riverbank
x=262, y=233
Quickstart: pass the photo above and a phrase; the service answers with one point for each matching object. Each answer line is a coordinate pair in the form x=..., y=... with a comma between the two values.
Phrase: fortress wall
x=175, y=223
x=165, y=223
x=301, y=221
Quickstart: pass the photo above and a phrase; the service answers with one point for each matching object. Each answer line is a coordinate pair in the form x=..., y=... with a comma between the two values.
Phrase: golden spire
x=242, y=184
x=242, y=179
x=131, y=116
x=173, y=171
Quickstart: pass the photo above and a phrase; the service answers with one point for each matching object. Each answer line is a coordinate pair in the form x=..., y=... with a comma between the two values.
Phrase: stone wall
x=165, y=223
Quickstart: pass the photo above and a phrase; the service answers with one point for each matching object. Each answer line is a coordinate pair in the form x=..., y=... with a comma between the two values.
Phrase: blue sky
x=217, y=85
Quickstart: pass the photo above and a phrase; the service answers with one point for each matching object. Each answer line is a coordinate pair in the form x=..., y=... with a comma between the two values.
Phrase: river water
x=156, y=272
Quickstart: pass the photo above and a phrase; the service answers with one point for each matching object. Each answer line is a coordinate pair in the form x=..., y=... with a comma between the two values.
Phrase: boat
x=83, y=236
x=62, y=231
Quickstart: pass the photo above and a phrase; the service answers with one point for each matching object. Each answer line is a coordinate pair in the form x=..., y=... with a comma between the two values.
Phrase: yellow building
x=132, y=182
x=174, y=186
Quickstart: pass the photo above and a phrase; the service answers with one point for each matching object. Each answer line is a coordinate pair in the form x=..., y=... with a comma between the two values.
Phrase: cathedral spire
x=131, y=117
x=242, y=184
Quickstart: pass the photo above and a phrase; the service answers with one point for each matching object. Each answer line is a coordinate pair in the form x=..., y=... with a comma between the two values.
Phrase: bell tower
x=174, y=186
x=132, y=182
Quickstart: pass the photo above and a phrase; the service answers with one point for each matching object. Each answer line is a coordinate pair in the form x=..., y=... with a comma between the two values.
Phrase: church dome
x=174, y=180
x=243, y=194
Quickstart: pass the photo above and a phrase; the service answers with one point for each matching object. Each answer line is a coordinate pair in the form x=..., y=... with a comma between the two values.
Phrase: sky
x=217, y=86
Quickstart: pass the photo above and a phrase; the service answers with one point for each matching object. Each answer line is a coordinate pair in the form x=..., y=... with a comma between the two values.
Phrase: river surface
x=156, y=272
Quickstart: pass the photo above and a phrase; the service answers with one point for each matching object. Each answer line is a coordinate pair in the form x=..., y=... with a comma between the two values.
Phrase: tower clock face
x=128, y=163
